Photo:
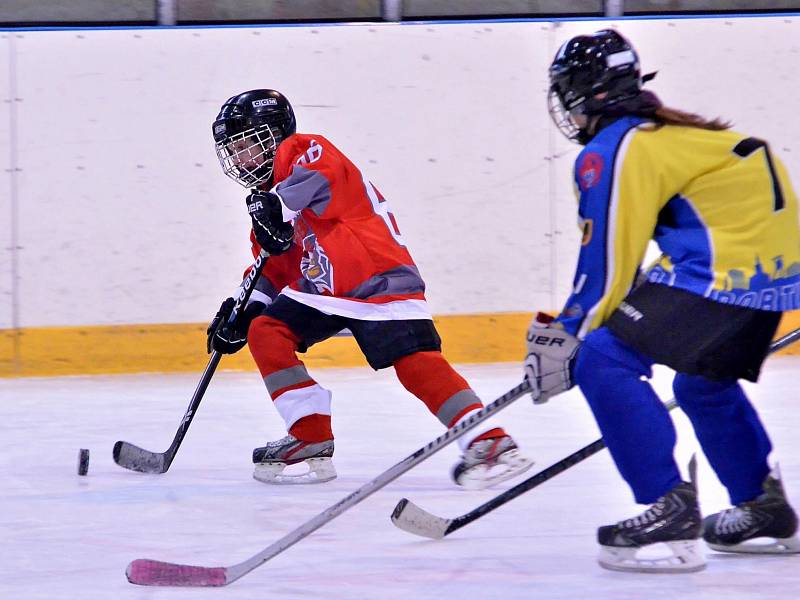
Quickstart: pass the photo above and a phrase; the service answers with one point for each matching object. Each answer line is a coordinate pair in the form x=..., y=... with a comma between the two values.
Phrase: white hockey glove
x=551, y=352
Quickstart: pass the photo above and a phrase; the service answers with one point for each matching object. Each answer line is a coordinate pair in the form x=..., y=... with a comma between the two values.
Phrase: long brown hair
x=665, y=115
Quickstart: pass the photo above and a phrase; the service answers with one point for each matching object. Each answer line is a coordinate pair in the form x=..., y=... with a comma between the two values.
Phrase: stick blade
x=138, y=459
x=410, y=517
x=144, y=571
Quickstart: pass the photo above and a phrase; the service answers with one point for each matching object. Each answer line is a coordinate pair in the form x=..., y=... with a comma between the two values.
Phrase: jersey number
x=745, y=148
x=381, y=208
x=313, y=154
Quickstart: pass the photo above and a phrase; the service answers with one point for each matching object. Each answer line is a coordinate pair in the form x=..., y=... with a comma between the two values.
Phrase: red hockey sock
x=273, y=345
x=492, y=433
x=430, y=378
x=313, y=428
x=447, y=395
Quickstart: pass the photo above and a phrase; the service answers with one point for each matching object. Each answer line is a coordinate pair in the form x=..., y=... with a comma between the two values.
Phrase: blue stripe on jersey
x=595, y=205
x=683, y=237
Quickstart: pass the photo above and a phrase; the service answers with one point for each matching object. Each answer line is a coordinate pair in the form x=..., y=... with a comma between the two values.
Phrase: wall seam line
x=553, y=187
x=13, y=172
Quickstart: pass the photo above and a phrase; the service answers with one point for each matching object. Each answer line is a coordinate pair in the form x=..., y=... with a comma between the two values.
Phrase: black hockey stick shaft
x=570, y=461
x=134, y=458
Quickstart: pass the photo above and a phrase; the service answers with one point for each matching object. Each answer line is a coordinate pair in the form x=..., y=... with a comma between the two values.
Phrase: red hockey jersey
x=348, y=256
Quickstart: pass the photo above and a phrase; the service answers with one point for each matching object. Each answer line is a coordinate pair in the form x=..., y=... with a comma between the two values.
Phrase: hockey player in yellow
x=721, y=208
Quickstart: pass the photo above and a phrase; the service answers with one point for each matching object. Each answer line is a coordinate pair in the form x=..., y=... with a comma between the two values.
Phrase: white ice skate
x=487, y=462
x=663, y=539
x=766, y=525
x=272, y=460
x=684, y=556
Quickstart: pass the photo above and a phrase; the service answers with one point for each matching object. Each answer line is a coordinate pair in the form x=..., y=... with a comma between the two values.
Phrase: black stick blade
x=134, y=458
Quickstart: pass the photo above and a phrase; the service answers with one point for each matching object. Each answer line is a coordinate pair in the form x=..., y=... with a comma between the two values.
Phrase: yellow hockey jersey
x=719, y=205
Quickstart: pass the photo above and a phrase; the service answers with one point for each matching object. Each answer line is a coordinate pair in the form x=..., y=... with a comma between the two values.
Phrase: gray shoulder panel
x=305, y=188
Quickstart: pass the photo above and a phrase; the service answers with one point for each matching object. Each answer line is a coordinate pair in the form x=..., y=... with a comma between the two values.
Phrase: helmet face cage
x=247, y=157
x=563, y=118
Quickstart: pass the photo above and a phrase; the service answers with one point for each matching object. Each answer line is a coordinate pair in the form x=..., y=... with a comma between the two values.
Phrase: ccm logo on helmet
x=265, y=102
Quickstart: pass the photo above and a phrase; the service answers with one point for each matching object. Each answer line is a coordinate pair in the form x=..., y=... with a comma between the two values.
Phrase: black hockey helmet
x=590, y=74
x=247, y=132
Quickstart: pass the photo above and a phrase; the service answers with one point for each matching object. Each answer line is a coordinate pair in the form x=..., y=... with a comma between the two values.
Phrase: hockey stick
x=410, y=517
x=152, y=572
x=134, y=458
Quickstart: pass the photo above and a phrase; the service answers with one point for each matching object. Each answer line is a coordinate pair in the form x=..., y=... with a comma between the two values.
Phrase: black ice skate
x=766, y=525
x=487, y=462
x=272, y=459
x=673, y=521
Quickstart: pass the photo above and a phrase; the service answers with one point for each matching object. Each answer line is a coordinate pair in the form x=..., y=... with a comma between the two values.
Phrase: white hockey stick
x=152, y=572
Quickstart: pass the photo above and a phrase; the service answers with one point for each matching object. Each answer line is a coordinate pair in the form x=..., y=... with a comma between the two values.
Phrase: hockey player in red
x=337, y=261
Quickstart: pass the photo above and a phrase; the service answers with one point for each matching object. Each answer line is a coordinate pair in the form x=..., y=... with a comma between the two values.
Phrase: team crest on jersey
x=315, y=265
x=590, y=170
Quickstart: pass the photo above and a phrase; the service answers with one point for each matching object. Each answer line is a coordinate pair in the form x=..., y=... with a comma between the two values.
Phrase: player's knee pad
x=696, y=391
x=272, y=344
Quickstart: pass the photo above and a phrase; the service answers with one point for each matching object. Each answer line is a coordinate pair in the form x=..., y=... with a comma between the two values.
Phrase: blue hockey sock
x=635, y=425
x=729, y=431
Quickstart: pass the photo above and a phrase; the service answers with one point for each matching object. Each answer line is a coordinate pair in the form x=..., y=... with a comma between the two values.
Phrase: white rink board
x=449, y=121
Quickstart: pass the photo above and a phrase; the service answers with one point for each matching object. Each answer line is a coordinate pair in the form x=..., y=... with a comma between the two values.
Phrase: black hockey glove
x=229, y=338
x=272, y=233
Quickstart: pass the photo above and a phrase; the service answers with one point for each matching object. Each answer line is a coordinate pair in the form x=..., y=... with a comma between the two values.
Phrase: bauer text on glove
x=551, y=354
x=272, y=233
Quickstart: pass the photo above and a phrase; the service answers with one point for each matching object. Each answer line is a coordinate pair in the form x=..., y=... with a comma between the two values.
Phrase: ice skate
x=272, y=460
x=641, y=543
x=766, y=525
x=487, y=462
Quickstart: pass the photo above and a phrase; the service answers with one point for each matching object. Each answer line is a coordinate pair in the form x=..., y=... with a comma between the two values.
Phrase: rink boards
x=121, y=236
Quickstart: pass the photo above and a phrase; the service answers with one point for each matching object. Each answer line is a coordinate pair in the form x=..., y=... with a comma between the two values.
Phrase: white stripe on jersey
x=399, y=310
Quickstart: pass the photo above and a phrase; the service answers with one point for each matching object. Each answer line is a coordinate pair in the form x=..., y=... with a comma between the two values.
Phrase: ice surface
x=65, y=536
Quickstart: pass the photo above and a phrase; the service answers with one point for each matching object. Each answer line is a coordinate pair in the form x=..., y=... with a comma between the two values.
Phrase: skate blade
x=762, y=545
x=319, y=470
x=508, y=465
x=685, y=556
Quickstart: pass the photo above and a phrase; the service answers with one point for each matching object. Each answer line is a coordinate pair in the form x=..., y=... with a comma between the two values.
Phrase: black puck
x=83, y=461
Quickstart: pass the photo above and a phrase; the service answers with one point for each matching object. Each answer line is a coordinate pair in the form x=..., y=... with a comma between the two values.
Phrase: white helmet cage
x=248, y=157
